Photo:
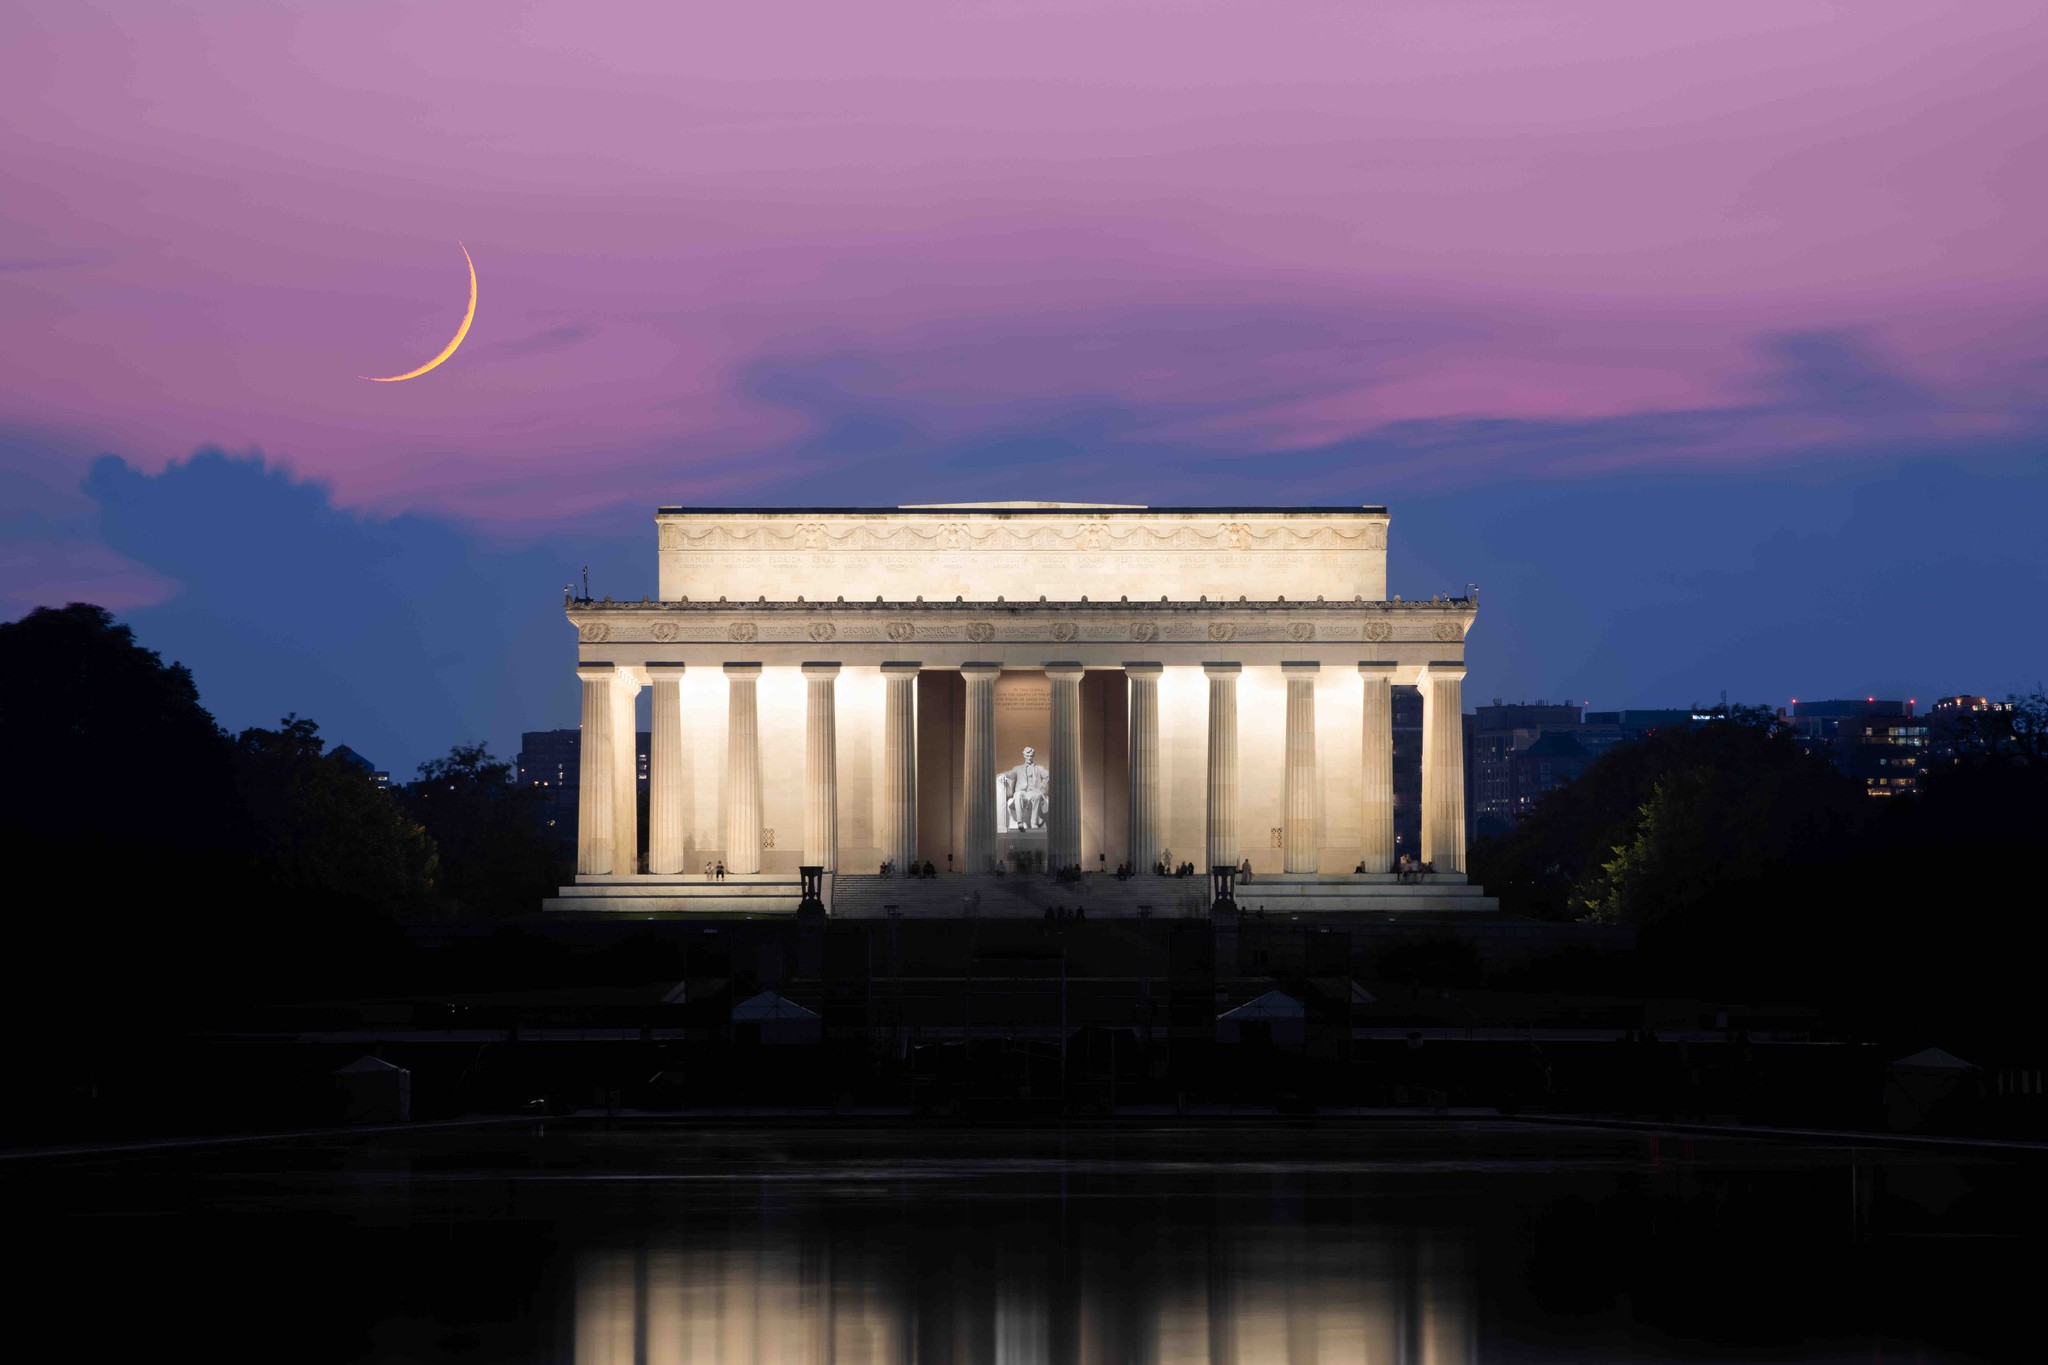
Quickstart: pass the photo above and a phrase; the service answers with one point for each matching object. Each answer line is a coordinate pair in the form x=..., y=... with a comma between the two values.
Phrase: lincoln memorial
x=1023, y=687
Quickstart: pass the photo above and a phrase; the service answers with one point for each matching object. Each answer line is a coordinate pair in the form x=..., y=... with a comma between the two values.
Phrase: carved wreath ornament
x=1063, y=630
x=820, y=630
x=743, y=631
x=1448, y=630
x=596, y=633
x=1142, y=631
x=1222, y=630
x=1298, y=631
x=980, y=631
x=901, y=631
x=665, y=631
x=1378, y=630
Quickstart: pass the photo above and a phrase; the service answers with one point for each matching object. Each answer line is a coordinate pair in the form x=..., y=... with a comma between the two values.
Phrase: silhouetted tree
x=1657, y=825
x=322, y=829
x=497, y=855
x=106, y=740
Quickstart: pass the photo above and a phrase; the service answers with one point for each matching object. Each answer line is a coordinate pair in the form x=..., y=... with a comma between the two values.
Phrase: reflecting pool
x=1421, y=1242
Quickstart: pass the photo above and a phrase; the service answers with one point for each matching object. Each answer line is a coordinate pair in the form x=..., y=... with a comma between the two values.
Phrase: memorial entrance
x=1016, y=695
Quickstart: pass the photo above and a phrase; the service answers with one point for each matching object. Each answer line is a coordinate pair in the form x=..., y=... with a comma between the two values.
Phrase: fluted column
x=1443, y=766
x=742, y=768
x=1299, y=786
x=821, y=767
x=1063, y=784
x=665, y=770
x=1376, y=786
x=594, y=771
x=980, y=764
x=1222, y=802
x=1143, y=749
x=899, y=764
x=625, y=773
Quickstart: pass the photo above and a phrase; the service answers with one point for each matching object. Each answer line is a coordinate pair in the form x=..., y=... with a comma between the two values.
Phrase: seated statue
x=1021, y=795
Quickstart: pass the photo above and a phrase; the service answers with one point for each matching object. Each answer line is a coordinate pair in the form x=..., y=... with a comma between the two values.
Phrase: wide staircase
x=957, y=895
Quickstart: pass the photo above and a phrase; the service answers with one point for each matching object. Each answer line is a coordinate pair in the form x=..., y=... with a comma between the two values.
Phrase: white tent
x=1274, y=1017
x=374, y=1091
x=772, y=1019
x=1918, y=1088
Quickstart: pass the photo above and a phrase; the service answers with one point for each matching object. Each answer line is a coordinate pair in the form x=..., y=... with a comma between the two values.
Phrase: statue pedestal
x=1022, y=850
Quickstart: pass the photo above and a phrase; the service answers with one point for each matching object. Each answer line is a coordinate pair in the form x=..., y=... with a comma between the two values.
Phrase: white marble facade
x=845, y=686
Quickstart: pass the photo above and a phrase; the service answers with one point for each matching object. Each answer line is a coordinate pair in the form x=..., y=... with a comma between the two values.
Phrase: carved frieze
x=743, y=631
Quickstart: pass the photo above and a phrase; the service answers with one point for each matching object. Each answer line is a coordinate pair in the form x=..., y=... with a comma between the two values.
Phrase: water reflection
x=1392, y=1244
x=1301, y=1296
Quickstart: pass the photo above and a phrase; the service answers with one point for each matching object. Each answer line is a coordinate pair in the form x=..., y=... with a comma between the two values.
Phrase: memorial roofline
x=999, y=510
x=988, y=604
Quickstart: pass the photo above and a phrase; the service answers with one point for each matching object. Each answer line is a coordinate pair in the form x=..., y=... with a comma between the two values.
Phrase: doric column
x=1443, y=766
x=594, y=770
x=821, y=767
x=1063, y=794
x=1144, y=764
x=742, y=768
x=625, y=773
x=1299, y=787
x=1222, y=804
x=665, y=771
x=1376, y=787
x=980, y=763
x=899, y=764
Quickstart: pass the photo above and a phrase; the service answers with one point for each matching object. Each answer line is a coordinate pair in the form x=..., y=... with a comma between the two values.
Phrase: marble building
x=1035, y=684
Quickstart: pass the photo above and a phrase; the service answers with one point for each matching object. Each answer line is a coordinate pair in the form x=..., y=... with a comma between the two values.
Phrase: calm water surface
x=1434, y=1243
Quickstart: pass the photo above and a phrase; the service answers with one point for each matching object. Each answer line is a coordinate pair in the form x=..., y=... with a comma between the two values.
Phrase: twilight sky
x=1711, y=340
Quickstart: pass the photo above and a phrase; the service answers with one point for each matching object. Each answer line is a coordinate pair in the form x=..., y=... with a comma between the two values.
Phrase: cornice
x=1443, y=620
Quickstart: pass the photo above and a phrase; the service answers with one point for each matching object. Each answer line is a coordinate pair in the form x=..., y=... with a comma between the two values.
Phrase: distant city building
x=1605, y=729
x=1878, y=742
x=1951, y=719
x=552, y=761
x=1495, y=738
x=377, y=776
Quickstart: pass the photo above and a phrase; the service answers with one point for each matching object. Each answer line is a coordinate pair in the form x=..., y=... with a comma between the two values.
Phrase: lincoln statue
x=1021, y=794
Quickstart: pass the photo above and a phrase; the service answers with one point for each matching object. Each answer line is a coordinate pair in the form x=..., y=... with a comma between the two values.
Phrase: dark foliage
x=321, y=829
x=1656, y=827
x=497, y=857
x=106, y=739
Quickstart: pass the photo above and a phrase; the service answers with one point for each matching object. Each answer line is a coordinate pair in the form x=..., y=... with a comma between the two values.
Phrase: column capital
x=1144, y=670
x=898, y=668
x=1064, y=670
x=820, y=669
x=1296, y=668
x=742, y=670
x=1444, y=670
x=657, y=670
x=1222, y=670
x=980, y=669
x=596, y=670
x=1378, y=668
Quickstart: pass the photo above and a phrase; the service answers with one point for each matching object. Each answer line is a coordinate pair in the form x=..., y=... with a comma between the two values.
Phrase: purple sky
x=1638, y=313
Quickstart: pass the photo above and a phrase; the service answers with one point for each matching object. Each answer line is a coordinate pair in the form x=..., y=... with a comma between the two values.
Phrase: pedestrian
x=721, y=869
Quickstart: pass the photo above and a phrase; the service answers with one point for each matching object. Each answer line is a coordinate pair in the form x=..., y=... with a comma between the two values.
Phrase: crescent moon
x=447, y=350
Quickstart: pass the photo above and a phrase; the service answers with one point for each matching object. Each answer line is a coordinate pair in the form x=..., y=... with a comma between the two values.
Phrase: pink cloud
x=1248, y=226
